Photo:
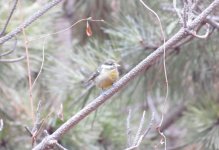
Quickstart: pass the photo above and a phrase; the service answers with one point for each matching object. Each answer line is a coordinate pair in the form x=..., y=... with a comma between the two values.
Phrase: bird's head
x=109, y=65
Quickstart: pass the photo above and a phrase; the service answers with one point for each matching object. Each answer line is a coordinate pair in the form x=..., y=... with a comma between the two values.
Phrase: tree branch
x=8, y=19
x=30, y=20
x=141, y=67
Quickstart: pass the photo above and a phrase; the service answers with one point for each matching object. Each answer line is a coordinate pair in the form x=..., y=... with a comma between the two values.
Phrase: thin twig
x=201, y=36
x=164, y=63
x=143, y=135
x=60, y=146
x=146, y=131
x=149, y=126
x=188, y=38
x=9, y=18
x=164, y=56
x=195, y=4
x=185, y=14
x=212, y=22
x=141, y=67
x=28, y=131
x=1, y=125
x=28, y=66
x=41, y=67
x=38, y=125
x=128, y=129
x=12, y=50
x=54, y=142
x=12, y=60
x=163, y=139
x=138, y=133
x=30, y=20
x=38, y=116
x=177, y=12
x=65, y=29
x=153, y=108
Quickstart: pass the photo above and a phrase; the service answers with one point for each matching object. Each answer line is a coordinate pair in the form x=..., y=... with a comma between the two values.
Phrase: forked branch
x=141, y=67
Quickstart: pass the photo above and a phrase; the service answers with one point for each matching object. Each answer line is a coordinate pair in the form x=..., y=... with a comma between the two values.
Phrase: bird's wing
x=93, y=76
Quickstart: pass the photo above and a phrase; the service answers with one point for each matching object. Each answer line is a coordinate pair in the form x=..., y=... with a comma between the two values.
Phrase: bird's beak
x=117, y=65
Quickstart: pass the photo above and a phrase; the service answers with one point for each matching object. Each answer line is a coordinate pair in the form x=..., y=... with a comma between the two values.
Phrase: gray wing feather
x=93, y=76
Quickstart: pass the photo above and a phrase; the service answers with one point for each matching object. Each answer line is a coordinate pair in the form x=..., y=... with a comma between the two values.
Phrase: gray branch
x=9, y=18
x=140, y=68
x=30, y=20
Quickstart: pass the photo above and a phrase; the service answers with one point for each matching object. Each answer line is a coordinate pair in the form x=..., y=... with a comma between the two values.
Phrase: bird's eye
x=109, y=63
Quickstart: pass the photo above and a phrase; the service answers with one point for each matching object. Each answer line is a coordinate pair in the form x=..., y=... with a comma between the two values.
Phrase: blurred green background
x=129, y=34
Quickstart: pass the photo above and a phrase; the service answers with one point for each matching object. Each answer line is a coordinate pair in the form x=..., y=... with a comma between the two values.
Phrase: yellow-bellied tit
x=106, y=74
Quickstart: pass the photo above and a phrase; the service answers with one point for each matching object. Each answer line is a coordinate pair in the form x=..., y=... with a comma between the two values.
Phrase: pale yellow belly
x=105, y=80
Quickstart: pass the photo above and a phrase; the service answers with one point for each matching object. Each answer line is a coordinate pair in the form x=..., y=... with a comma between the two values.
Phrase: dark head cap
x=110, y=62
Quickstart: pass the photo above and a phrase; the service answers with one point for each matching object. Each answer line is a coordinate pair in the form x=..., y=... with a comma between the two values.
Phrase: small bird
x=106, y=74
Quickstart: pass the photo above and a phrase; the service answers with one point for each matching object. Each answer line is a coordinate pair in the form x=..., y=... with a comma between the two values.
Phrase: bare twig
x=28, y=131
x=173, y=115
x=38, y=116
x=188, y=38
x=41, y=67
x=37, y=125
x=141, y=67
x=212, y=22
x=128, y=129
x=149, y=126
x=188, y=17
x=1, y=124
x=30, y=20
x=164, y=65
x=139, y=132
x=185, y=14
x=177, y=12
x=54, y=142
x=60, y=146
x=65, y=29
x=8, y=19
x=195, y=4
x=164, y=58
x=60, y=113
x=12, y=50
x=153, y=108
x=141, y=136
x=201, y=36
x=12, y=60
x=163, y=139
x=28, y=66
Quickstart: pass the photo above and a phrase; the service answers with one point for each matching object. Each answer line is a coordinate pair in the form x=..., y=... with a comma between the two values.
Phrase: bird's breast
x=106, y=79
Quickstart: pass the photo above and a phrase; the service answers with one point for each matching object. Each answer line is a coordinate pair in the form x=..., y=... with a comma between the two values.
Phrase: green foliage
x=129, y=34
x=202, y=120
